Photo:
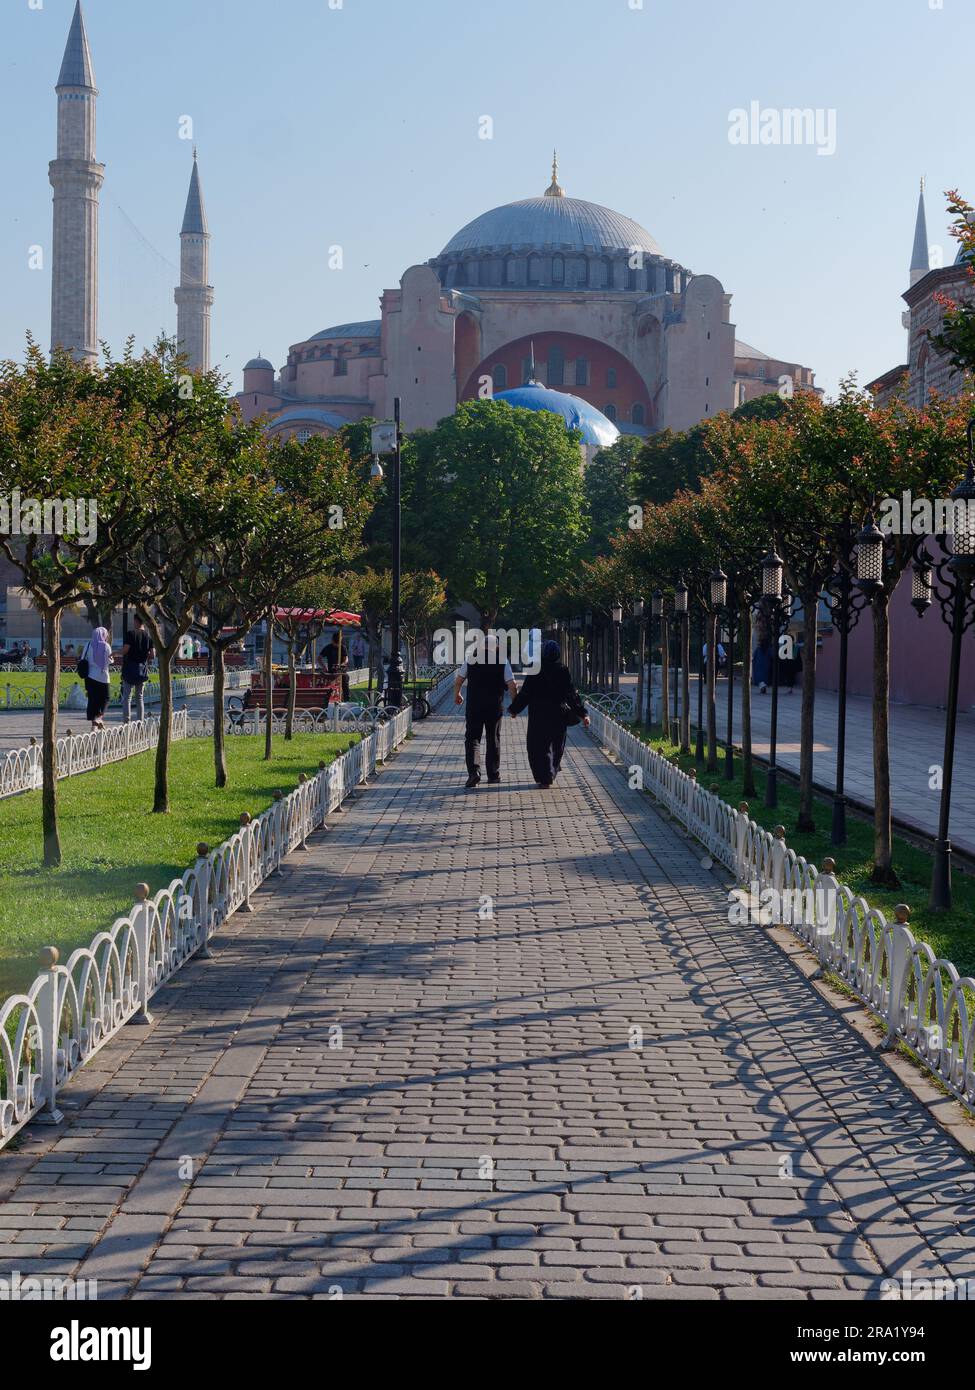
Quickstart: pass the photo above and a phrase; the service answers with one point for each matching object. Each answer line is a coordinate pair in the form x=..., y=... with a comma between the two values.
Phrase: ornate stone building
x=607, y=314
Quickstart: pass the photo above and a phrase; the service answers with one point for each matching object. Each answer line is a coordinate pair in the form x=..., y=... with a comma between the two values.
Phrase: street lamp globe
x=617, y=612
x=771, y=575
x=680, y=597
x=719, y=588
x=657, y=604
x=921, y=584
x=870, y=556
x=376, y=471
x=638, y=608
x=963, y=533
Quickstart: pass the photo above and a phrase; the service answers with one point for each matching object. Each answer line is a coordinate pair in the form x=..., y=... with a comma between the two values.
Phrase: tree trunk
x=52, y=692
x=160, y=804
x=748, y=767
x=269, y=687
x=883, y=871
x=712, y=763
x=219, y=738
x=807, y=726
x=289, y=723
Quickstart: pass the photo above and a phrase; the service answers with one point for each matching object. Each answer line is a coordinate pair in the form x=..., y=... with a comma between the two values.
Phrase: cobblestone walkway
x=483, y=1124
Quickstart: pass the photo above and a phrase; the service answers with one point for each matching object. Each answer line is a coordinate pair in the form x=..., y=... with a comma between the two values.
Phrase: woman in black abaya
x=551, y=699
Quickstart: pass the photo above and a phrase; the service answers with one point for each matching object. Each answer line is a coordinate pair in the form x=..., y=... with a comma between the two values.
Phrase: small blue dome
x=258, y=364
x=595, y=427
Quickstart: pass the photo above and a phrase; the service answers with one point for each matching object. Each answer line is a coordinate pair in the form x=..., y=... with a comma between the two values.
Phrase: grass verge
x=111, y=840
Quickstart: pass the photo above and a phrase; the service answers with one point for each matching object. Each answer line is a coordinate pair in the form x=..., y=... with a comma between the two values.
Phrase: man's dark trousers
x=486, y=722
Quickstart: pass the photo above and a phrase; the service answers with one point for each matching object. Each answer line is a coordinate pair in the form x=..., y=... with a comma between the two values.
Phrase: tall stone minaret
x=920, y=264
x=194, y=297
x=76, y=178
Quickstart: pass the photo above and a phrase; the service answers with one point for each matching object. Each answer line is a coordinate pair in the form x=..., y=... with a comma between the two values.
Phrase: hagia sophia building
x=582, y=292
x=551, y=300
x=585, y=293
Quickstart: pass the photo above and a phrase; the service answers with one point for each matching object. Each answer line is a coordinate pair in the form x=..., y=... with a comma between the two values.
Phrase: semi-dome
x=368, y=328
x=595, y=427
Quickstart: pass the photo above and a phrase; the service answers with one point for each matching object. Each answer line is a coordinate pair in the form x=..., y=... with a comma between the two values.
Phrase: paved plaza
x=500, y=1044
x=917, y=734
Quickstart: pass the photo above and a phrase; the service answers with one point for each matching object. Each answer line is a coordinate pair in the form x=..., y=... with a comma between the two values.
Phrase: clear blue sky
x=358, y=126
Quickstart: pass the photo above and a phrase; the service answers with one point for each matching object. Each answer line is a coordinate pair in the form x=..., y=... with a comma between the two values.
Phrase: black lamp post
x=683, y=637
x=953, y=589
x=722, y=602
x=617, y=615
x=394, y=679
x=641, y=653
x=699, y=739
x=846, y=603
x=773, y=603
x=657, y=612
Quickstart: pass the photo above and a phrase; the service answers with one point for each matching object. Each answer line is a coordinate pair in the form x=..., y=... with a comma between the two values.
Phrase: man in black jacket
x=486, y=682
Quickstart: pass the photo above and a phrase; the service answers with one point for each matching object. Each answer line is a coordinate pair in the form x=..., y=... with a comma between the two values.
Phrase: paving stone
x=486, y=1130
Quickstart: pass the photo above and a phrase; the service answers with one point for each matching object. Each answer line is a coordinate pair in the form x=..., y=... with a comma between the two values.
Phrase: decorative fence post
x=142, y=914
x=204, y=875
x=826, y=893
x=49, y=1015
x=245, y=820
x=277, y=818
x=304, y=809
x=901, y=943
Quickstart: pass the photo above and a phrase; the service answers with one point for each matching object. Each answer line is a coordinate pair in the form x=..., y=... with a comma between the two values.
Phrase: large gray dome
x=551, y=223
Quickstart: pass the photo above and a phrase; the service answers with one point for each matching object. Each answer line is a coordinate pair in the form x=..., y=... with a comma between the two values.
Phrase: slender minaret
x=919, y=255
x=76, y=178
x=194, y=298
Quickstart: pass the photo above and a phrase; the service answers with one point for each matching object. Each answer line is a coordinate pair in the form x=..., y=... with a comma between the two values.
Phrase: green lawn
x=950, y=934
x=111, y=841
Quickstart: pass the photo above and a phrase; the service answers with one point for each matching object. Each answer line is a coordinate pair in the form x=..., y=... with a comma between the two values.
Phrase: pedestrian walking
x=136, y=655
x=94, y=667
x=553, y=705
x=486, y=683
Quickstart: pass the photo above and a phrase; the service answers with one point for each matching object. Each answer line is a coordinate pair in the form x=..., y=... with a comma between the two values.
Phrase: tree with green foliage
x=606, y=484
x=511, y=506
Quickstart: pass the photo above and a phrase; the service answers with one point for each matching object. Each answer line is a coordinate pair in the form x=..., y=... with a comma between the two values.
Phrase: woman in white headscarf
x=98, y=655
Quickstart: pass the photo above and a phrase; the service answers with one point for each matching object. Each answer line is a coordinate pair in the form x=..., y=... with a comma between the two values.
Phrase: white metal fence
x=921, y=998
x=70, y=1011
x=20, y=770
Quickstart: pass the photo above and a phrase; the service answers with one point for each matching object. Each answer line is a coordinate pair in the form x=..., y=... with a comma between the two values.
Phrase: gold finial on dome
x=554, y=189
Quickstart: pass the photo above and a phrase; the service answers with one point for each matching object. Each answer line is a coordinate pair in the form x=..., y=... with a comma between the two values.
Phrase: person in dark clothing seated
x=552, y=702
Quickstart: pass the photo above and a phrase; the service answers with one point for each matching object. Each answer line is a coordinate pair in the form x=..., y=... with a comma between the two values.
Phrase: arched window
x=534, y=270
x=558, y=270
x=610, y=411
x=582, y=271
x=582, y=372
x=611, y=378
x=637, y=415
x=510, y=270
x=341, y=366
x=303, y=435
x=607, y=273
x=631, y=275
x=556, y=367
x=499, y=376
